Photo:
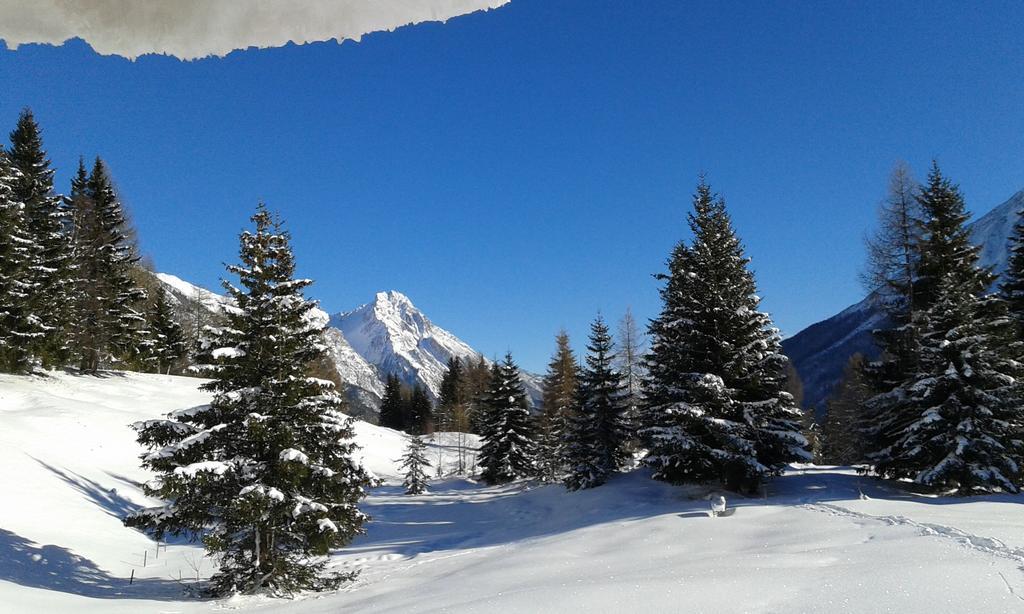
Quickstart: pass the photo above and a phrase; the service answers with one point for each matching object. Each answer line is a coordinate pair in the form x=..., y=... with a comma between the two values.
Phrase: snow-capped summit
x=396, y=337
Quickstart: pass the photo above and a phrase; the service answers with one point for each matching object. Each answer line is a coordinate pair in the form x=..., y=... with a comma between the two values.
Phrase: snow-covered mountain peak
x=396, y=337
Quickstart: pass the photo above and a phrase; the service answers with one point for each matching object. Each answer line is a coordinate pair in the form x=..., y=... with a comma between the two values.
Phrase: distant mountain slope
x=820, y=351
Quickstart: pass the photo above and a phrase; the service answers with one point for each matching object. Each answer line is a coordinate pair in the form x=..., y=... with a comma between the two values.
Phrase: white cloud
x=191, y=29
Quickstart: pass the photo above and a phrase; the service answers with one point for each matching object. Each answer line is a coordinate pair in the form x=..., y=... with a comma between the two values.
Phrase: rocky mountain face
x=386, y=336
x=394, y=336
x=820, y=351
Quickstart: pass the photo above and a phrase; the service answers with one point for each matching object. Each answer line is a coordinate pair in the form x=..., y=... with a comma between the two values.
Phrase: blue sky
x=516, y=171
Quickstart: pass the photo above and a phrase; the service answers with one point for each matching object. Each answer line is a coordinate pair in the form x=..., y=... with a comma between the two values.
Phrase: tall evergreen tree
x=47, y=274
x=121, y=296
x=508, y=450
x=164, y=344
x=954, y=422
x=264, y=473
x=392, y=408
x=108, y=301
x=595, y=440
x=958, y=392
x=18, y=330
x=559, y=405
x=1012, y=287
x=413, y=463
x=420, y=414
x=715, y=401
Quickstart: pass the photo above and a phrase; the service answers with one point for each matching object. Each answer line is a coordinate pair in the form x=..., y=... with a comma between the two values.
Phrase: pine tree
x=18, y=330
x=954, y=422
x=420, y=414
x=107, y=300
x=120, y=294
x=164, y=345
x=1012, y=287
x=558, y=406
x=46, y=275
x=392, y=407
x=264, y=473
x=508, y=450
x=842, y=442
x=715, y=401
x=595, y=438
x=413, y=463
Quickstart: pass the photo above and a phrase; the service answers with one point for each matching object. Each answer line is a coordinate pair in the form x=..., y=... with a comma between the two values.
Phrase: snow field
x=822, y=539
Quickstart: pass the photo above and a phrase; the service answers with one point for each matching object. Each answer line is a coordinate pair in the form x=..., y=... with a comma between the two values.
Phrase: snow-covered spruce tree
x=392, y=407
x=559, y=404
x=715, y=406
x=164, y=344
x=508, y=450
x=264, y=474
x=17, y=328
x=956, y=422
x=414, y=461
x=941, y=245
x=595, y=438
x=44, y=214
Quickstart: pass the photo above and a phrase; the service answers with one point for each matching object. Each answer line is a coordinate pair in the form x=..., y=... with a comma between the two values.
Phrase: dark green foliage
x=715, y=401
x=508, y=450
x=392, y=408
x=108, y=301
x=413, y=463
x=18, y=331
x=164, y=344
x=1012, y=288
x=45, y=219
x=420, y=412
x=595, y=438
x=264, y=474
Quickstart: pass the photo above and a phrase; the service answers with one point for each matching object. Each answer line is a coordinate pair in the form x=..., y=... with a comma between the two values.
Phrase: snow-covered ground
x=820, y=540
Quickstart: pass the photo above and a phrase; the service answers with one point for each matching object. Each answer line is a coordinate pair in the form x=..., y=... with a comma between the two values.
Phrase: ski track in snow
x=978, y=543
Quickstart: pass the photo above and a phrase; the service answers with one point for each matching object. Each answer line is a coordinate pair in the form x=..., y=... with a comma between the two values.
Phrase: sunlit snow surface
x=821, y=540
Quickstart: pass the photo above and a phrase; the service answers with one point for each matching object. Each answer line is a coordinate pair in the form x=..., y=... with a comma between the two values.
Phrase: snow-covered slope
x=820, y=351
x=397, y=338
x=813, y=543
